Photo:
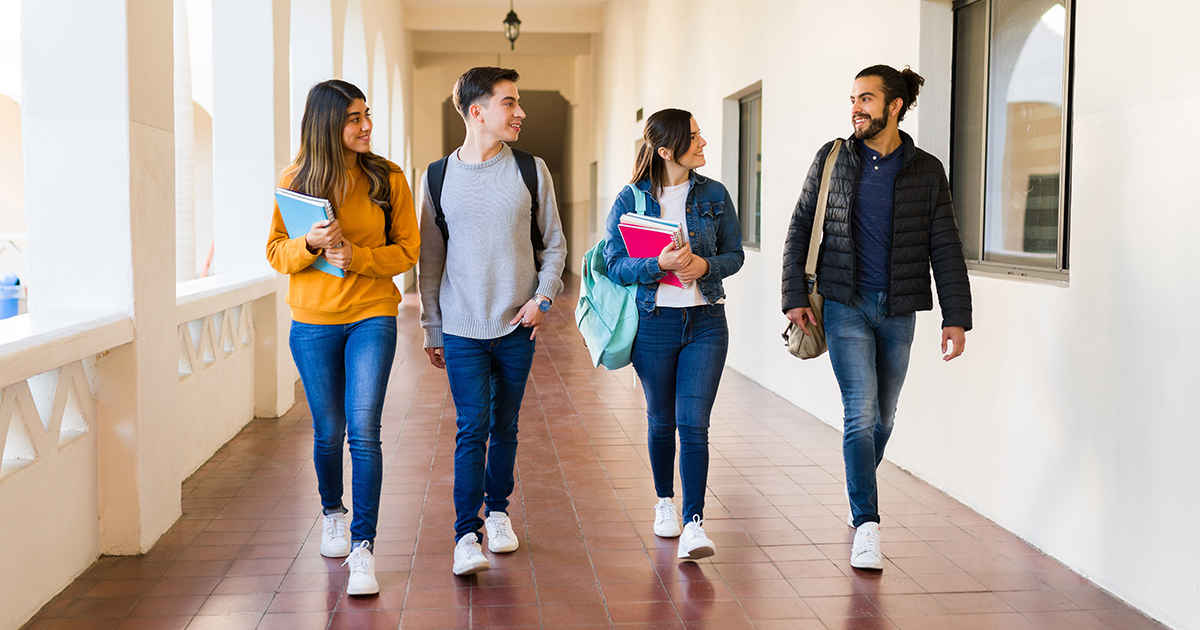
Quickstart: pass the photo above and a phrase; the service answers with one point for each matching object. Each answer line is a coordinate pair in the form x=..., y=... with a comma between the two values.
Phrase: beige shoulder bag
x=810, y=343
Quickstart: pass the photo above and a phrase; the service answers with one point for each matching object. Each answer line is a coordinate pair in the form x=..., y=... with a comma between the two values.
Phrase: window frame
x=978, y=206
x=749, y=180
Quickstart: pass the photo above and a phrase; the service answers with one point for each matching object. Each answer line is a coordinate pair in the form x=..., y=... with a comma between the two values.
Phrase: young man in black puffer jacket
x=888, y=219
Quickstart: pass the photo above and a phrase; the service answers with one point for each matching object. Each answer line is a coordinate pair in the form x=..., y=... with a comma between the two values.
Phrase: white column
x=185, y=186
x=99, y=156
x=249, y=102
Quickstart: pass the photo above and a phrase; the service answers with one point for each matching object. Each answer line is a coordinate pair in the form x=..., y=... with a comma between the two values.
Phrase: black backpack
x=528, y=168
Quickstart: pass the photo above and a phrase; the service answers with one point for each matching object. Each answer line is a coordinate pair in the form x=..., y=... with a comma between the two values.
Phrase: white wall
x=1065, y=421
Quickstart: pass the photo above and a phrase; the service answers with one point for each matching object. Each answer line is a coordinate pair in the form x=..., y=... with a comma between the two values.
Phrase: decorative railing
x=215, y=318
x=46, y=364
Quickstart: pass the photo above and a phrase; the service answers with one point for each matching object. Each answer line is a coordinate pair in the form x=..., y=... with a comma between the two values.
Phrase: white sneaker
x=868, y=551
x=468, y=556
x=500, y=535
x=693, y=544
x=335, y=535
x=362, y=571
x=666, y=519
x=850, y=510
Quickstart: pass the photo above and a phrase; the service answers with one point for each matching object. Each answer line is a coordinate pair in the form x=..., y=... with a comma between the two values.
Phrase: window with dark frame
x=1011, y=134
x=750, y=168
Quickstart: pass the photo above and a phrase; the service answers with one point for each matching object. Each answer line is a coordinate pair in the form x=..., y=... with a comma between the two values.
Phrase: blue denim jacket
x=713, y=229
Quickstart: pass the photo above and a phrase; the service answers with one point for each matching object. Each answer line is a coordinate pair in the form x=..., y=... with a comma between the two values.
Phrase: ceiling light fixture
x=512, y=27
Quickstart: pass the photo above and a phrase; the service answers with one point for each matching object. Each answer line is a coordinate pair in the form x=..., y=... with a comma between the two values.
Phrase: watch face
x=544, y=306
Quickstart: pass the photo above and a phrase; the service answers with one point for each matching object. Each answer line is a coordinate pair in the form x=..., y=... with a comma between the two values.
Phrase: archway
x=310, y=55
x=354, y=47
x=377, y=100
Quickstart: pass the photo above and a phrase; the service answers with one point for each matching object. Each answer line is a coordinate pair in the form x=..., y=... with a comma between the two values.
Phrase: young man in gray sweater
x=483, y=297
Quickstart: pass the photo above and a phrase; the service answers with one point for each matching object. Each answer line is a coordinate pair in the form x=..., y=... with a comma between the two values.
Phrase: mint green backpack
x=607, y=312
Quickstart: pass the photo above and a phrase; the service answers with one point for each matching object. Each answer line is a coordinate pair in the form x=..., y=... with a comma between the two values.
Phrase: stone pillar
x=100, y=191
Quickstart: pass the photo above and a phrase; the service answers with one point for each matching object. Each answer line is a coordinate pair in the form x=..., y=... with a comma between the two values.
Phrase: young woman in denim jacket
x=682, y=337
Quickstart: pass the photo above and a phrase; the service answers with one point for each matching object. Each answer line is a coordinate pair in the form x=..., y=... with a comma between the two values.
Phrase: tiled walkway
x=245, y=552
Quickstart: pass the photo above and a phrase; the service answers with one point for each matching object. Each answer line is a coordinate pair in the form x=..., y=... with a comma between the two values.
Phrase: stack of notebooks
x=645, y=237
x=299, y=213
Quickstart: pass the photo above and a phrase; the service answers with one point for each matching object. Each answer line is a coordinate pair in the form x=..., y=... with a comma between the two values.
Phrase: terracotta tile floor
x=245, y=552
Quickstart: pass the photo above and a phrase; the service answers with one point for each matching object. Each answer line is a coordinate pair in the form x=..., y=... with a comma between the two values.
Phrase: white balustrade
x=46, y=365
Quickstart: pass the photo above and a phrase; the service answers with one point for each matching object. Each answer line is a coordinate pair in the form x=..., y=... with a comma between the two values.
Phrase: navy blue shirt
x=871, y=224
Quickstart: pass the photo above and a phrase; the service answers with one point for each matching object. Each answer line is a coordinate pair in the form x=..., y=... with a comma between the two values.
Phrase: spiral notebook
x=299, y=213
x=645, y=237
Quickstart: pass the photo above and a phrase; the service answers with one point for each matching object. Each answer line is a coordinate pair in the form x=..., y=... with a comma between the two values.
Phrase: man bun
x=914, y=82
x=897, y=84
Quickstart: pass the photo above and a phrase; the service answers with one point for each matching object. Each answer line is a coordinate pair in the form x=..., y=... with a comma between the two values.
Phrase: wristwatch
x=543, y=303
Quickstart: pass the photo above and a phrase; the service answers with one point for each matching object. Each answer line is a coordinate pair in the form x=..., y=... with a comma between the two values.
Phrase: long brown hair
x=321, y=169
x=666, y=128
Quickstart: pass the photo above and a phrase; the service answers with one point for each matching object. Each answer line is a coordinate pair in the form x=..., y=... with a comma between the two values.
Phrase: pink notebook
x=646, y=243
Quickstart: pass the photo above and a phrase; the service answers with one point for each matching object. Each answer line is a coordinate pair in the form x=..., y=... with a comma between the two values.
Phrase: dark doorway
x=545, y=133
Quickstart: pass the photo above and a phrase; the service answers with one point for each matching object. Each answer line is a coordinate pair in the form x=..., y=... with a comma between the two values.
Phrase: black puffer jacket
x=923, y=233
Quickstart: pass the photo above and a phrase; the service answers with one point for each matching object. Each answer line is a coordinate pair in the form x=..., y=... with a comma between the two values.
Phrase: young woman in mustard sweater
x=343, y=334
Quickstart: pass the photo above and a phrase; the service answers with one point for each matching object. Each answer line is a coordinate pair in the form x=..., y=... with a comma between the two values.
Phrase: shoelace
x=358, y=559
x=335, y=527
x=698, y=522
x=871, y=545
x=666, y=511
x=501, y=525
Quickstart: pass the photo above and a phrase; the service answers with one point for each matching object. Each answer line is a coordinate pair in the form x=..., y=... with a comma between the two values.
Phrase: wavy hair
x=321, y=169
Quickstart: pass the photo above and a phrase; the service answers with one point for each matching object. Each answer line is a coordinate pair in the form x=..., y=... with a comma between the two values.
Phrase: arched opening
x=354, y=47
x=378, y=102
x=399, y=148
x=310, y=55
x=193, y=139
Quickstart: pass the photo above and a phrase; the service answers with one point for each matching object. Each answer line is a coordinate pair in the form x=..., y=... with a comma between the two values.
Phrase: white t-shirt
x=672, y=201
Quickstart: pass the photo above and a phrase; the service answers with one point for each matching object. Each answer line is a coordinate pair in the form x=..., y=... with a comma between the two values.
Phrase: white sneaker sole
x=371, y=588
x=471, y=569
x=865, y=563
x=667, y=532
x=702, y=551
x=335, y=553
x=503, y=548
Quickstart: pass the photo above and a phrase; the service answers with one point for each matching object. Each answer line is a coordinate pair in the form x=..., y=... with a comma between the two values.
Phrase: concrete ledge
x=35, y=343
x=203, y=297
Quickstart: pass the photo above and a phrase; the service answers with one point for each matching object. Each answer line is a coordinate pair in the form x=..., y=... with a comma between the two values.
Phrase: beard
x=871, y=130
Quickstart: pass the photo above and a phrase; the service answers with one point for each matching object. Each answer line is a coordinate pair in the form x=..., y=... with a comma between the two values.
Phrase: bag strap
x=437, y=175
x=528, y=168
x=639, y=199
x=818, y=229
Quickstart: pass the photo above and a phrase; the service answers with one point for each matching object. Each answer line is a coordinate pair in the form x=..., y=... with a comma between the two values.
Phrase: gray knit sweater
x=474, y=284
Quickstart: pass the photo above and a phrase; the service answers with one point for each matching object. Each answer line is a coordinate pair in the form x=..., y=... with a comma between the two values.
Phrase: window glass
x=750, y=168
x=1025, y=132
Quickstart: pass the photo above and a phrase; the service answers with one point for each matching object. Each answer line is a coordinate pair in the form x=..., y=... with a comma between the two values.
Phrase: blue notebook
x=299, y=213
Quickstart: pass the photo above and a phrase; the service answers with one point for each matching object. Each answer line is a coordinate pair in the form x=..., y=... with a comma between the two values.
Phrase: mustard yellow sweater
x=367, y=290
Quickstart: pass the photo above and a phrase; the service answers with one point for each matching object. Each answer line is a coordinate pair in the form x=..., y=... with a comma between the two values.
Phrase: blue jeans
x=345, y=369
x=869, y=352
x=679, y=354
x=487, y=379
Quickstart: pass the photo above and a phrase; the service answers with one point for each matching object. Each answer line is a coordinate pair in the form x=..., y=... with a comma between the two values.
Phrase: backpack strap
x=437, y=175
x=529, y=174
x=639, y=198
